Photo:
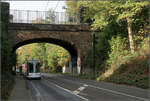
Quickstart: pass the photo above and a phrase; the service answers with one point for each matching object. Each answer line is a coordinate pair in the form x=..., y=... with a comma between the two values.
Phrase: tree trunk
x=130, y=35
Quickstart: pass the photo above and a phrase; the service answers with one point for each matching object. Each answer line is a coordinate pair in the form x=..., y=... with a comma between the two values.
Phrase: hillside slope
x=134, y=73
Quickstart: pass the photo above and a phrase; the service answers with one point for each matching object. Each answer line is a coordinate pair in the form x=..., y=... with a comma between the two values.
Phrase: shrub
x=118, y=50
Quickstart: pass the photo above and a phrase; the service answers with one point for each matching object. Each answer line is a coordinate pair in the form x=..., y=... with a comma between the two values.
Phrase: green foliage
x=144, y=46
x=130, y=9
x=51, y=56
x=131, y=69
x=134, y=72
x=113, y=43
x=103, y=46
x=118, y=49
x=127, y=11
x=50, y=19
x=57, y=57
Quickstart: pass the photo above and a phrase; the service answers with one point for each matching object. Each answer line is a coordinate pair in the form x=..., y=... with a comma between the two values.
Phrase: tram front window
x=30, y=68
x=37, y=67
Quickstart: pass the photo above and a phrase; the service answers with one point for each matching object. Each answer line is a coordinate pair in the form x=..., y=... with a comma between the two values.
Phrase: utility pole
x=94, y=69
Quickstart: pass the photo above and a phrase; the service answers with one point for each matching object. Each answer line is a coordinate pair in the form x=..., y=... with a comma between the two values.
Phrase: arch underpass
x=74, y=38
x=70, y=48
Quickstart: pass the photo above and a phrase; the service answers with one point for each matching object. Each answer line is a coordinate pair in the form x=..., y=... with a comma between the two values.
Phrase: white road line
x=76, y=92
x=73, y=93
x=120, y=93
x=67, y=90
x=80, y=89
x=85, y=85
x=37, y=91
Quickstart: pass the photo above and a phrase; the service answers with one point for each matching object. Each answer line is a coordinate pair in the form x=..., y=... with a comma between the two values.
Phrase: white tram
x=33, y=69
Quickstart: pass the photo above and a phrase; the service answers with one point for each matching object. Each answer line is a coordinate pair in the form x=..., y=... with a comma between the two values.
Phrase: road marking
x=120, y=93
x=85, y=85
x=76, y=92
x=37, y=91
x=73, y=93
x=80, y=89
x=67, y=90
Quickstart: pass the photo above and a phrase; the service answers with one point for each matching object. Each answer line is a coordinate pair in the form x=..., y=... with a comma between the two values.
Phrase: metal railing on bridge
x=43, y=17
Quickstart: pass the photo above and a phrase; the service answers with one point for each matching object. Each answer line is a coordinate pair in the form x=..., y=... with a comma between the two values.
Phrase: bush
x=130, y=69
x=118, y=51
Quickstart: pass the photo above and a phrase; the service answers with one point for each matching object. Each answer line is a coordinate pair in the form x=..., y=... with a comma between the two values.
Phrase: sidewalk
x=20, y=91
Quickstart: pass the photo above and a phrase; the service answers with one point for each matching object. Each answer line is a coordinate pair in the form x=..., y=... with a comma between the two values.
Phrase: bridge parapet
x=43, y=17
x=49, y=27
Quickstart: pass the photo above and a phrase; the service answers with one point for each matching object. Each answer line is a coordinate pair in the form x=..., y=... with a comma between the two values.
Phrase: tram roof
x=33, y=61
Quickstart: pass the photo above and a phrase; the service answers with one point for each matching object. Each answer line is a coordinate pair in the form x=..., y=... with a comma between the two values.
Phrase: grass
x=134, y=73
x=130, y=69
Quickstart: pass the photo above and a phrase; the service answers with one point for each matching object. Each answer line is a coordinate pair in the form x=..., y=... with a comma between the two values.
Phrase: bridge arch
x=74, y=38
x=66, y=45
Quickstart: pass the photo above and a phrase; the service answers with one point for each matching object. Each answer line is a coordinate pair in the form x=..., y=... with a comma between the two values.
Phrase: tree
x=57, y=56
x=73, y=10
x=51, y=17
x=103, y=12
x=114, y=17
x=51, y=56
x=128, y=11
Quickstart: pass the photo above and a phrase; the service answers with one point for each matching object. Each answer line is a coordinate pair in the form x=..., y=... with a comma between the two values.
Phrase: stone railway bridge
x=77, y=39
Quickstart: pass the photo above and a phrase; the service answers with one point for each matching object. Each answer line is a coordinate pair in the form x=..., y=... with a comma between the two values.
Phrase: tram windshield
x=37, y=67
x=34, y=67
x=30, y=67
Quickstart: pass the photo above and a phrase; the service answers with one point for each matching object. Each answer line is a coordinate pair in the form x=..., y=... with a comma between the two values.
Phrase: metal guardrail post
x=27, y=16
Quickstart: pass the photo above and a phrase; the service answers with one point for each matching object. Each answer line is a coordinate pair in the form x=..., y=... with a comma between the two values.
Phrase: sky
x=37, y=5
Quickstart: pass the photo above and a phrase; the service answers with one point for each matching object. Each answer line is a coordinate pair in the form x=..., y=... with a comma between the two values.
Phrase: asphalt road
x=53, y=87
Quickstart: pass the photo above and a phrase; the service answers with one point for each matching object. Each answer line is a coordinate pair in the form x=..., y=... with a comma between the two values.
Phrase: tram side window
x=30, y=68
x=37, y=67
